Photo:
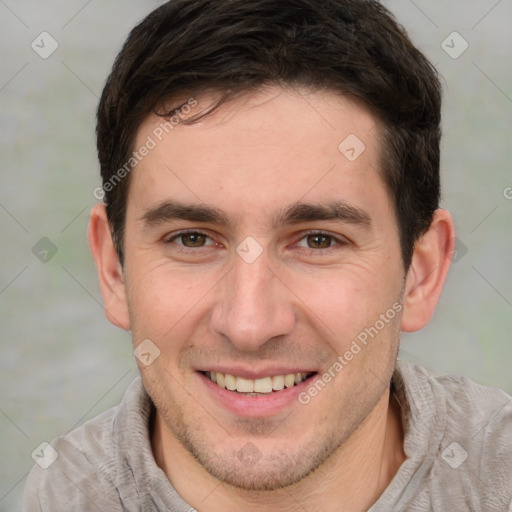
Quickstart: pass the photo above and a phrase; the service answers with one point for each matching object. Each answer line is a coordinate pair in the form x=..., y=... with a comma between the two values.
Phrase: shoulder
x=468, y=407
x=476, y=448
x=74, y=471
x=483, y=413
x=459, y=442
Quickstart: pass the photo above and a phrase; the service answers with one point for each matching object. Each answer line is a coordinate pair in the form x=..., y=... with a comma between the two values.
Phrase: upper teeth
x=264, y=385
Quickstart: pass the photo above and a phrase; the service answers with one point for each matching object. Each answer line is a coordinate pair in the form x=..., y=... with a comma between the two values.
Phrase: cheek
x=348, y=299
x=166, y=303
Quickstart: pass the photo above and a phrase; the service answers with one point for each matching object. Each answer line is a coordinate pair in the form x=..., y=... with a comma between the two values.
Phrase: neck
x=352, y=479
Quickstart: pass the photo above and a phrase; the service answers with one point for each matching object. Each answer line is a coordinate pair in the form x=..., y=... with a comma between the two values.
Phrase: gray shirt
x=458, y=444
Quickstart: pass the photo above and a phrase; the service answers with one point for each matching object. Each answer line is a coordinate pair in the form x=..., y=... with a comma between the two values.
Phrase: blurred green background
x=61, y=362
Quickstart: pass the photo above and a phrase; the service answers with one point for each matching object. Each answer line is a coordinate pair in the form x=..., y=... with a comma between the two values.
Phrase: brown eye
x=319, y=241
x=193, y=239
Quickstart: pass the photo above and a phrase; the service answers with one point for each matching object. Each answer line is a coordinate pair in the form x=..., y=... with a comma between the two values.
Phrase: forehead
x=259, y=153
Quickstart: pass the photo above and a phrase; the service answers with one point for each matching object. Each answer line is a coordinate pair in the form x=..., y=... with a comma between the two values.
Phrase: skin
x=301, y=302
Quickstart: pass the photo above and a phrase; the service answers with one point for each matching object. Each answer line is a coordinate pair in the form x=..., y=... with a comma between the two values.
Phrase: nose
x=253, y=305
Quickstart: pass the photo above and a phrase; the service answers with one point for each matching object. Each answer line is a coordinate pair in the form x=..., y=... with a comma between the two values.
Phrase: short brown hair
x=352, y=47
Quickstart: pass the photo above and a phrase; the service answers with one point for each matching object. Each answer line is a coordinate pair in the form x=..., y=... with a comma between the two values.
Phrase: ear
x=426, y=276
x=110, y=272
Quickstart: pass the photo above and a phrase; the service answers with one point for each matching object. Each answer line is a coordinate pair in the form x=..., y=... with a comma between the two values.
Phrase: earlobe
x=426, y=276
x=110, y=273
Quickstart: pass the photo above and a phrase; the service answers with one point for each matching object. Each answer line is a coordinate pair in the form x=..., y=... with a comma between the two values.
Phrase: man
x=271, y=224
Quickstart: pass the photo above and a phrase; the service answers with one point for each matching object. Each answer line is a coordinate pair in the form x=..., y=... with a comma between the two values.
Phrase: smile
x=256, y=387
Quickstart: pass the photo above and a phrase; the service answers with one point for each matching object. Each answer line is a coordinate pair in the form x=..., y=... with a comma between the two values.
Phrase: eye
x=319, y=240
x=191, y=239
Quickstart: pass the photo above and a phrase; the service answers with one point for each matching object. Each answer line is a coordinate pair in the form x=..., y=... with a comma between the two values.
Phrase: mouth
x=273, y=392
x=261, y=387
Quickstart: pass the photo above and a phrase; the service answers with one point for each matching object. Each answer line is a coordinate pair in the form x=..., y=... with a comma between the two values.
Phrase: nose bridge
x=252, y=307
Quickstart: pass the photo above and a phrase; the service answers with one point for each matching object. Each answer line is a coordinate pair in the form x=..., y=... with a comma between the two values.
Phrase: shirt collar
x=423, y=409
x=139, y=479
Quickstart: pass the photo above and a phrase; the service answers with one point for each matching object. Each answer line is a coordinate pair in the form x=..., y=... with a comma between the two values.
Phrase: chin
x=266, y=474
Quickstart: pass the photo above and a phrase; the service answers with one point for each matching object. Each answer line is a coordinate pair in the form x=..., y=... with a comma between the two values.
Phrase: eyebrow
x=171, y=210
x=293, y=214
x=334, y=210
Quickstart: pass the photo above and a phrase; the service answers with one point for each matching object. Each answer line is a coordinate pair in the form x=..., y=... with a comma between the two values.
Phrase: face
x=258, y=249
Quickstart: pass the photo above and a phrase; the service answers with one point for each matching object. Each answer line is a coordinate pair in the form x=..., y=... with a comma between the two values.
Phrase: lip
x=252, y=373
x=254, y=406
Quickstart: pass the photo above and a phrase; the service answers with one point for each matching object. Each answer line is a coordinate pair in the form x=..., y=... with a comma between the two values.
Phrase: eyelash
x=183, y=248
